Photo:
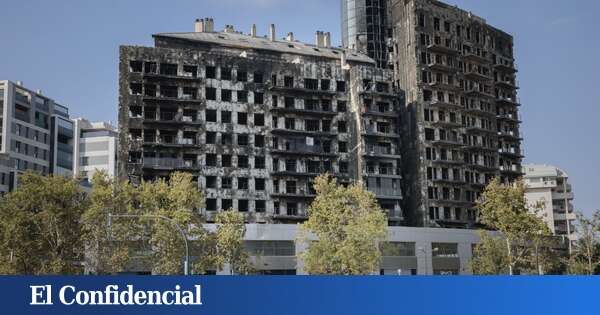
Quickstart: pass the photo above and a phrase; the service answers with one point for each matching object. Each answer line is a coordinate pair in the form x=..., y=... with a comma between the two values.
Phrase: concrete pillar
x=465, y=252
x=424, y=255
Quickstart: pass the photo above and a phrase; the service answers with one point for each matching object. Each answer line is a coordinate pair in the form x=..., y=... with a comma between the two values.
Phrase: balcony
x=510, y=85
x=286, y=131
x=508, y=117
x=438, y=47
x=383, y=171
x=510, y=152
x=313, y=111
x=479, y=130
x=444, y=86
x=506, y=67
x=22, y=98
x=511, y=135
x=479, y=92
x=444, y=104
x=303, y=149
x=387, y=193
x=184, y=76
x=447, y=142
x=448, y=180
x=168, y=163
x=478, y=76
x=471, y=56
x=446, y=124
x=478, y=111
x=439, y=66
x=374, y=150
x=501, y=100
x=380, y=132
x=293, y=90
x=512, y=169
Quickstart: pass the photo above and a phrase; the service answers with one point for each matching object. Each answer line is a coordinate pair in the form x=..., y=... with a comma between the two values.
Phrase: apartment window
x=292, y=209
x=259, y=141
x=343, y=147
x=290, y=102
x=259, y=120
x=243, y=205
x=259, y=184
x=135, y=66
x=260, y=206
x=242, y=96
x=226, y=74
x=242, y=139
x=290, y=187
x=211, y=115
x=211, y=160
x=436, y=24
x=259, y=98
x=211, y=204
x=288, y=81
x=211, y=72
x=258, y=77
x=226, y=95
x=340, y=86
x=211, y=137
x=226, y=117
x=242, y=118
x=242, y=76
x=226, y=183
x=344, y=167
x=274, y=101
x=421, y=20
x=226, y=204
x=259, y=162
x=342, y=126
x=341, y=107
x=311, y=84
x=242, y=161
x=290, y=123
x=429, y=134
x=325, y=85
x=242, y=183
x=211, y=182
x=226, y=160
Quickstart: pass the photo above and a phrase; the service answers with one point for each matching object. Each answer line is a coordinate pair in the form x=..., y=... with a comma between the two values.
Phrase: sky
x=69, y=50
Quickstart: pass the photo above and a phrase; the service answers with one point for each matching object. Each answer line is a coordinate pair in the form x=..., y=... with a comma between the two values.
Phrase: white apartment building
x=549, y=185
x=95, y=148
x=35, y=133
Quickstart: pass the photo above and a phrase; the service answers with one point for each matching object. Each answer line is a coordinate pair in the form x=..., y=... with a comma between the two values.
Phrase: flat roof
x=243, y=41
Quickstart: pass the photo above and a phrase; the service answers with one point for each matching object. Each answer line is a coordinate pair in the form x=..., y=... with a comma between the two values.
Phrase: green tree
x=490, y=255
x=39, y=226
x=585, y=257
x=108, y=243
x=179, y=200
x=349, y=225
x=230, y=242
x=504, y=208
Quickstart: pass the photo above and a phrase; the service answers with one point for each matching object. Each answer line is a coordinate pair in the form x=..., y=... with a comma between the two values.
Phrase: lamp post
x=177, y=226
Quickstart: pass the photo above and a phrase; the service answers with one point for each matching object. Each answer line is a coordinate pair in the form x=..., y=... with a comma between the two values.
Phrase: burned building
x=462, y=128
x=256, y=119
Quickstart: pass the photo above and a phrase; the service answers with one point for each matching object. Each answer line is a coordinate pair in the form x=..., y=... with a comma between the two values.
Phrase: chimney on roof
x=253, y=30
x=320, y=39
x=209, y=25
x=272, y=34
x=327, y=40
x=229, y=29
x=199, y=26
x=20, y=83
x=38, y=91
x=290, y=37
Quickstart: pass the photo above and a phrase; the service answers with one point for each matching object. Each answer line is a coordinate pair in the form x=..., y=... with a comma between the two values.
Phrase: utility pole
x=177, y=226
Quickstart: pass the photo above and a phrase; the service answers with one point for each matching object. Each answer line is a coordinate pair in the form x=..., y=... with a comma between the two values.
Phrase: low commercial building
x=550, y=194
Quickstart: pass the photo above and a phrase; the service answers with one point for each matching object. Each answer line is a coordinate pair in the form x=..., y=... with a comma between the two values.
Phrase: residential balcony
x=511, y=85
x=447, y=142
x=439, y=66
x=444, y=104
x=561, y=216
x=478, y=111
x=381, y=132
x=446, y=124
x=507, y=101
x=286, y=131
x=295, y=90
x=383, y=171
x=471, y=56
x=168, y=163
x=479, y=92
x=305, y=111
x=444, y=86
x=439, y=47
x=514, y=169
x=473, y=74
x=508, y=117
x=184, y=76
x=386, y=193
x=448, y=180
x=374, y=150
x=303, y=149
x=512, y=135
x=506, y=67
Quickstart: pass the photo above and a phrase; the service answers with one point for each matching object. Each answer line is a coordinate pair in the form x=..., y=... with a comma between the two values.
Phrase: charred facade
x=256, y=119
x=462, y=126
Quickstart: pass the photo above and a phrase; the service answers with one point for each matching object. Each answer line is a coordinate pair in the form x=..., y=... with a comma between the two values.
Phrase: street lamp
x=177, y=226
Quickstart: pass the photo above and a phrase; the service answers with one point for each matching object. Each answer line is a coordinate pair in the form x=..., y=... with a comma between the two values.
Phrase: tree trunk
x=510, y=262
